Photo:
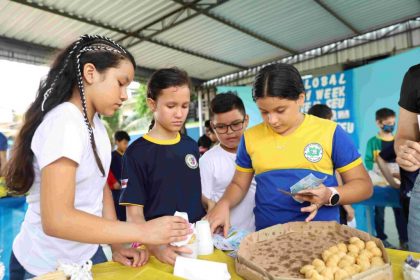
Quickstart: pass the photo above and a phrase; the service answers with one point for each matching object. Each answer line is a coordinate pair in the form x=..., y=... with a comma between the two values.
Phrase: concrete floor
x=390, y=227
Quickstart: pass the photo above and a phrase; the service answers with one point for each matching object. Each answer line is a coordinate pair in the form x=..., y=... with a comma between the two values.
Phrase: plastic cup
x=205, y=238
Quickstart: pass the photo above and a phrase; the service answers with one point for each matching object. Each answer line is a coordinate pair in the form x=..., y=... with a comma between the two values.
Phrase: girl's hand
x=321, y=195
x=312, y=210
x=317, y=197
x=167, y=253
x=165, y=230
x=130, y=256
x=408, y=156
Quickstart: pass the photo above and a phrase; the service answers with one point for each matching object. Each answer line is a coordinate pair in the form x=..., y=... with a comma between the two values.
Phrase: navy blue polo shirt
x=116, y=164
x=407, y=178
x=163, y=177
x=3, y=142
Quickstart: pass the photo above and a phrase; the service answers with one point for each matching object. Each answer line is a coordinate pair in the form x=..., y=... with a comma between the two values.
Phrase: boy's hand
x=219, y=216
x=210, y=205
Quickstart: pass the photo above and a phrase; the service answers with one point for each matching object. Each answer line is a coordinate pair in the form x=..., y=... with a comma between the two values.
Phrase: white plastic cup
x=205, y=238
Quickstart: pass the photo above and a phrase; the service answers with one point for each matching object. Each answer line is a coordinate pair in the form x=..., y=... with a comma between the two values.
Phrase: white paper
x=194, y=269
x=183, y=215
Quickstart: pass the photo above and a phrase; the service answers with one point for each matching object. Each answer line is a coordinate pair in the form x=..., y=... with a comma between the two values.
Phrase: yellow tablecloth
x=155, y=270
x=397, y=259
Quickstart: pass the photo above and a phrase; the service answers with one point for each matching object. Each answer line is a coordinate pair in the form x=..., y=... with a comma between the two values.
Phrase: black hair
x=207, y=125
x=204, y=141
x=225, y=102
x=278, y=80
x=321, y=111
x=384, y=113
x=64, y=75
x=121, y=135
x=165, y=78
x=184, y=130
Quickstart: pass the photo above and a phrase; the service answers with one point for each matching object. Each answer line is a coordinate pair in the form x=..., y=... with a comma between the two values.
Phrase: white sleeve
x=59, y=137
x=206, y=174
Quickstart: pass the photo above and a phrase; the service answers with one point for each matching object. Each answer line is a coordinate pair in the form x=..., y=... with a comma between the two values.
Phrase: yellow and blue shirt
x=374, y=146
x=163, y=177
x=317, y=146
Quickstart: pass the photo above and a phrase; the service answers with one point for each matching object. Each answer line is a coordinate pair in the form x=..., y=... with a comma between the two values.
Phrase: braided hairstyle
x=65, y=74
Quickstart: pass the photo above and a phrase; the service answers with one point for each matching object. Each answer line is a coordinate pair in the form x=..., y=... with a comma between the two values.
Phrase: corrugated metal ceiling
x=229, y=36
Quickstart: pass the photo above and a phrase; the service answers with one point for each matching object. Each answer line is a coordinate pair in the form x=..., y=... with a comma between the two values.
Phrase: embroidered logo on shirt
x=191, y=161
x=124, y=183
x=313, y=152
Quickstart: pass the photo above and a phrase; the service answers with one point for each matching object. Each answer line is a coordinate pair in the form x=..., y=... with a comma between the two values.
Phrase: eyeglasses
x=223, y=128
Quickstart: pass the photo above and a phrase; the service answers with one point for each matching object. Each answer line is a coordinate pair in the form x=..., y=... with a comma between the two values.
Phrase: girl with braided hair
x=62, y=157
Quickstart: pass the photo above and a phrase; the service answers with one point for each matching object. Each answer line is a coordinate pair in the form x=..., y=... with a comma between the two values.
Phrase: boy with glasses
x=217, y=166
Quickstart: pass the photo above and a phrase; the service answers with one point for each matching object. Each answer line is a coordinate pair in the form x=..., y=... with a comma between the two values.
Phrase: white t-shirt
x=217, y=167
x=63, y=133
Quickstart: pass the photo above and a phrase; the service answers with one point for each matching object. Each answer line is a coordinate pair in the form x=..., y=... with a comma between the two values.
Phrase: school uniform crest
x=191, y=161
x=313, y=152
x=124, y=183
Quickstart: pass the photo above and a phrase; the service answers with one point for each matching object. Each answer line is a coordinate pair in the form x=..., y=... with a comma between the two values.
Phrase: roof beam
x=239, y=28
x=338, y=17
x=122, y=31
x=178, y=11
x=16, y=50
x=184, y=8
x=27, y=52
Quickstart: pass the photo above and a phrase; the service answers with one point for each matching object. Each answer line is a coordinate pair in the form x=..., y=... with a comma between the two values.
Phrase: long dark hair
x=278, y=80
x=65, y=74
x=165, y=78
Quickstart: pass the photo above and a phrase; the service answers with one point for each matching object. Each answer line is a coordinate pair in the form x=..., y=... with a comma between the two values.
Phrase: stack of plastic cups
x=205, y=239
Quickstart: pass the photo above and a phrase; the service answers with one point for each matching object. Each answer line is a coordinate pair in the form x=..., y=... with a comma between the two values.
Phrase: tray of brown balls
x=314, y=250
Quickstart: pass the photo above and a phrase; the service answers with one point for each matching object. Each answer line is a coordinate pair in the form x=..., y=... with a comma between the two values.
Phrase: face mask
x=388, y=128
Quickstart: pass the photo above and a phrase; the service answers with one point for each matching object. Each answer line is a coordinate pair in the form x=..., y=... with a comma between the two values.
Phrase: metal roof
x=207, y=38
